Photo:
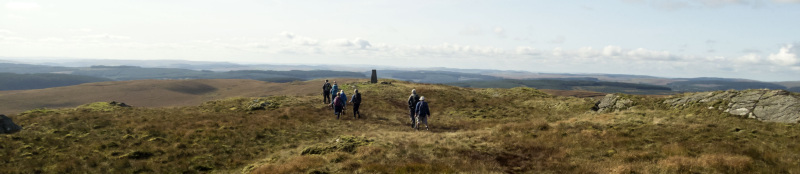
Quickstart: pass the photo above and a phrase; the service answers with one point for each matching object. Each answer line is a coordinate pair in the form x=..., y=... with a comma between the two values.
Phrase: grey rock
x=612, y=102
x=7, y=126
x=764, y=105
x=778, y=108
x=740, y=111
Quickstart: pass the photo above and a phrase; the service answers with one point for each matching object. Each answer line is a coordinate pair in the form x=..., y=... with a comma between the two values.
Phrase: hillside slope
x=518, y=130
x=11, y=81
x=150, y=93
x=166, y=93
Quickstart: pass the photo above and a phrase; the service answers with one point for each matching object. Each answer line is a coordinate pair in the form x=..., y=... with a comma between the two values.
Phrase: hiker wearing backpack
x=334, y=90
x=337, y=106
x=356, y=100
x=412, y=105
x=344, y=100
x=326, y=92
x=422, y=113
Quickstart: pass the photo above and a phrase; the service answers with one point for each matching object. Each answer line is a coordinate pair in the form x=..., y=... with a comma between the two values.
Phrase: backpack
x=412, y=100
x=326, y=86
x=357, y=98
x=337, y=103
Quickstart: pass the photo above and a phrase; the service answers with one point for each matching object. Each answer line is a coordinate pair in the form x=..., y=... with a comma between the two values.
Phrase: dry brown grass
x=518, y=130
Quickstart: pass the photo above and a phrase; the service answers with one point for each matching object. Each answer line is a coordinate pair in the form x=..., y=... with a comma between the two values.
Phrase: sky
x=753, y=39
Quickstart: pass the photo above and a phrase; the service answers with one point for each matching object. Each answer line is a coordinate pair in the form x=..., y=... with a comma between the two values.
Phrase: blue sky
x=755, y=39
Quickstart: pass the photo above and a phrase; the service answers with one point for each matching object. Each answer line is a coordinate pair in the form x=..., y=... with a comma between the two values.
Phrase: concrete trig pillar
x=374, y=78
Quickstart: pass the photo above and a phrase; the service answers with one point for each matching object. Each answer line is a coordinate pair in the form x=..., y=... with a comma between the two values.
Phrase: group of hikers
x=336, y=99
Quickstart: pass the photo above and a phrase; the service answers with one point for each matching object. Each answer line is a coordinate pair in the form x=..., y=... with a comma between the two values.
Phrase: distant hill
x=716, y=84
x=12, y=81
x=570, y=84
x=794, y=89
x=433, y=76
x=30, y=69
x=140, y=73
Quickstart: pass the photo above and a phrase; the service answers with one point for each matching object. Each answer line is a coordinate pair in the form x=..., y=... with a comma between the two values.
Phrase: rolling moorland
x=609, y=83
x=517, y=130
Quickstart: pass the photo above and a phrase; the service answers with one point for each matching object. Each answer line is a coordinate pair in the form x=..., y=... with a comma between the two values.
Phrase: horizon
x=359, y=67
x=744, y=39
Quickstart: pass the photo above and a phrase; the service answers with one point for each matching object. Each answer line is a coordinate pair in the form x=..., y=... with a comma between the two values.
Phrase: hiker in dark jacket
x=337, y=106
x=412, y=105
x=422, y=113
x=326, y=92
x=356, y=100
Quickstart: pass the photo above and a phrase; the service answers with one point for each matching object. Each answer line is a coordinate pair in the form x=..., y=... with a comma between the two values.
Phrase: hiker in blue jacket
x=334, y=90
x=422, y=113
x=343, y=97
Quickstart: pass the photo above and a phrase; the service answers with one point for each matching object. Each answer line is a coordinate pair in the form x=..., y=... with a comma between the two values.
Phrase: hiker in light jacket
x=422, y=113
x=356, y=100
x=412, y=105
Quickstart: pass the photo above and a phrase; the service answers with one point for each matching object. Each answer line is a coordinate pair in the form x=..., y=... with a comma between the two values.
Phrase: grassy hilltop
x=517, y=130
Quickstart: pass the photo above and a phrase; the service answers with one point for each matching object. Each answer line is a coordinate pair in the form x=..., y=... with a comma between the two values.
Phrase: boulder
x=7, y=126
x=612, y=102
x=765, y=105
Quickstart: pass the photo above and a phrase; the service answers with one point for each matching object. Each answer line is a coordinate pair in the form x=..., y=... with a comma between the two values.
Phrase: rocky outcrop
x=7, y=126
x=766, y=105
x=612, y=102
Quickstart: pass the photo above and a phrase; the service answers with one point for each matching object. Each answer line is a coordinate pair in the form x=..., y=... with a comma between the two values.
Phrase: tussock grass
x=519, y=130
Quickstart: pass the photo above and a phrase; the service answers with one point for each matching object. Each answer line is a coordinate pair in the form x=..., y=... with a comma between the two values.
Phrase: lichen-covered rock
x=778, y=107
x=765, y=105
x=612, y=102
x=7, y=126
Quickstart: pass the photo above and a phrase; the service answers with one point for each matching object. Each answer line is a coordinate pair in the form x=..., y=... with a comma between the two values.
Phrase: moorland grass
x=518, y=130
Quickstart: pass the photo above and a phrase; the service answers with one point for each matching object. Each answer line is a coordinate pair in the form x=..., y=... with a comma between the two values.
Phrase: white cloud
x=528, y=51
x=299, y=40
x=305, y=41
x=22, y=6
x=340, y=42
x=717, y=3
x=472, y=30
x=105, y=36
x=682, y=4
x=5, y=32
x=749, y=59
x=558, y=40
x=287, y=35
x=612, y=50
x=559, y=52
x=52, y=39
x=357, y=42
x=500, y=32
x=85, y=30
x=588, y=52
x=787, y=56
x=361, y=43
x=787, y=1
x=644, y=54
